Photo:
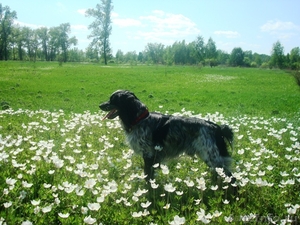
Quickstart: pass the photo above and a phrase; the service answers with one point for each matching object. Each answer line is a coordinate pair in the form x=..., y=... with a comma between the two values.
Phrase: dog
x=158, y=137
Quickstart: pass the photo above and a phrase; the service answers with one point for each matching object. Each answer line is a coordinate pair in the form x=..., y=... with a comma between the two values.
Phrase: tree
x=277, y=55
x=179, y=52
x=6, y=22
x=155, y=52
x=43, y=35
x=53, y=44
x=295, y=58
x=101, y=28
x=223, y=57
x=140, y=57
x=119, y=56
x=211, y=49
x=211, y=52
x=237, y=57
x=29, y=42
x=64, y=41
x=200, y=48
x=92, y=54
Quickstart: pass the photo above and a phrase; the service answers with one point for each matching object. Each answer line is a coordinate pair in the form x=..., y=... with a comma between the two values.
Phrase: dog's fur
x=158, y=137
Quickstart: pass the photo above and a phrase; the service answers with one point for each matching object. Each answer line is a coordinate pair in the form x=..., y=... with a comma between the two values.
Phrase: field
x=61, y=164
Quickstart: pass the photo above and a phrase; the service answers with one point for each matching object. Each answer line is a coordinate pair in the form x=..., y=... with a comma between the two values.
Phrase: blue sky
x=252, y=25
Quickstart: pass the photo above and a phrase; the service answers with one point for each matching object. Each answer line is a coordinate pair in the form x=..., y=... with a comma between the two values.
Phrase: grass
x=61, y=164
x=80, y=87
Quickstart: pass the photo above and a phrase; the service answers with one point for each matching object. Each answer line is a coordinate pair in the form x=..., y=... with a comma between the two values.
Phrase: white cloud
x=30, y=25
x=164, y=27
x=126, y=22
x=227, y=33
x=161, y=20
x=272, y=26
x=81, y=11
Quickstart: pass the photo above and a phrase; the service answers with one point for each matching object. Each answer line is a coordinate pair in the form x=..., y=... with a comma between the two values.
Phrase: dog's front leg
x=148, y=167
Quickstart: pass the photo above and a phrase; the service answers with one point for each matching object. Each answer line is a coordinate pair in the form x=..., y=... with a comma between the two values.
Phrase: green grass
x=80, y=87
x=61, y=164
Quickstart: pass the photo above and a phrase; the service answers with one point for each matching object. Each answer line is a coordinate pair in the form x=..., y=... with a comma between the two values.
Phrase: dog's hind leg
x=148, y=167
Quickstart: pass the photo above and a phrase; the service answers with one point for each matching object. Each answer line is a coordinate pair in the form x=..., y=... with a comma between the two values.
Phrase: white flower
x=79, y=192
x=47, y=209
x=284, y=174
x=89, y=220
x=146, y=205
x=169, y=187
x=241, y=151
x=225, y=201
x=27, y=222
x=84, y=210
x=66, y=215
x=137, y=214
x=94, y=206
x=179, y=193
x=214, y=187
x=146, y=212
x=35, y=202
x=164, y=169
x=140, y=192
x=47, y=185
x=7, y=204
x=156, y=165
x=89, y=184
x=228, y=219
x=270, y=167
x=167, y=206
x=201, y=183
x=25, y=184
x=197, y=201
x=240, y=137
x=11, y=181
x=100, y=199
x=217, y=213
x=177, y=220
x=189, y=183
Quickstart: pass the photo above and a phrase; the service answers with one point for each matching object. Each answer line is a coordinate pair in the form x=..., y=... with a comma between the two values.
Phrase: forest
x=55, y=44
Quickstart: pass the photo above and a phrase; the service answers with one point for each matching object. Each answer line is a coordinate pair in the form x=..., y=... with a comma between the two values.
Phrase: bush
x=253, y=64
x=264, y=65
x=297, y=77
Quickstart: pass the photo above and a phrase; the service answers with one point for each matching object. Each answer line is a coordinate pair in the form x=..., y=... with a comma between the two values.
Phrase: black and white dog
x=158, y=137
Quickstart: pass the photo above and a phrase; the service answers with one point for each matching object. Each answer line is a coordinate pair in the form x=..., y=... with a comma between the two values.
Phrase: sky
x=252, y=25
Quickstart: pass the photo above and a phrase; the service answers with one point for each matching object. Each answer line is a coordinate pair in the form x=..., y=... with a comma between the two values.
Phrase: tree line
x=54, y=44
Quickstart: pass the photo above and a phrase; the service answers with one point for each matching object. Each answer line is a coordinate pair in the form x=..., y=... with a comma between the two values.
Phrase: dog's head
x=124, y=104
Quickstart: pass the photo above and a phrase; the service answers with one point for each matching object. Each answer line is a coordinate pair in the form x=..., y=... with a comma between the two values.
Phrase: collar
x=142, y=116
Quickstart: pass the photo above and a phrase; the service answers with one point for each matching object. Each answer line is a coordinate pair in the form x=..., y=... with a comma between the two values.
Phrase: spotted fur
x=158, y=137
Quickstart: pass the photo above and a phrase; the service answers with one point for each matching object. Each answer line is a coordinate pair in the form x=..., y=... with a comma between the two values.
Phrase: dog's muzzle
x=113, y=112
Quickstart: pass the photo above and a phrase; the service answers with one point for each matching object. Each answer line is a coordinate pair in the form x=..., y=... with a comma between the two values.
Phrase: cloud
x=81, y=11
x=227, y=33
x=161, y=26
x=281, y=30
x=30, y=25
x=124, y=22
x=272, y=26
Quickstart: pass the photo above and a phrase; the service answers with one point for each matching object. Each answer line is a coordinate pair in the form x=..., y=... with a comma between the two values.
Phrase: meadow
x=62, y=164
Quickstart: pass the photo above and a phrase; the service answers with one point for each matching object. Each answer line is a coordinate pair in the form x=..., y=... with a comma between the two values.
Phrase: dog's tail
x=228, y=134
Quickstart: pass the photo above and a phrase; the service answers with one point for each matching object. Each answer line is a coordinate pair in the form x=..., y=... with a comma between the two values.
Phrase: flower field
x=74, y=168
